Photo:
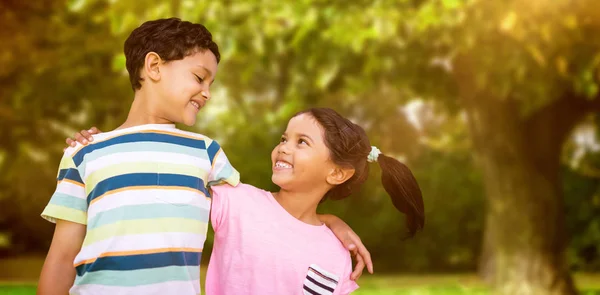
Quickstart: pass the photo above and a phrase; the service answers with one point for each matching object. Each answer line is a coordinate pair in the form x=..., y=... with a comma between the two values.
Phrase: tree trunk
x=525, y=236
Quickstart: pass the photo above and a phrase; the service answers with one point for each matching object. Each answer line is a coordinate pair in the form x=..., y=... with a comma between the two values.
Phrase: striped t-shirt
x=141, y=192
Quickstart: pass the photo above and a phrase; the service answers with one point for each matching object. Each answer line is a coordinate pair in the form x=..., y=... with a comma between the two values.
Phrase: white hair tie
x=374, y=154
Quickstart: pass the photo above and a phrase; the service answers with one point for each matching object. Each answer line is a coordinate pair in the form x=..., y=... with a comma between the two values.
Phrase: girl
x=274, y=243
x=280, y=245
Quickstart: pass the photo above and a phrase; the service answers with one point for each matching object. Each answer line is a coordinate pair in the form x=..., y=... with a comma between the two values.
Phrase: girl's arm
x=83, y=137
x=351, y=241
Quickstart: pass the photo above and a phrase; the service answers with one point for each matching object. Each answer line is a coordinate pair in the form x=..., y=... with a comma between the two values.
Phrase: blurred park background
x=493, y=104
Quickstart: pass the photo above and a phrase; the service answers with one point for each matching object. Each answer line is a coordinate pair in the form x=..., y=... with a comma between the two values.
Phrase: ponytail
x=399, y=182
x=349, y=146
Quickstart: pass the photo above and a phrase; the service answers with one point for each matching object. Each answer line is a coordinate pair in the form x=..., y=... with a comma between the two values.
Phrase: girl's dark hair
x=170, y=38
x=349, y=146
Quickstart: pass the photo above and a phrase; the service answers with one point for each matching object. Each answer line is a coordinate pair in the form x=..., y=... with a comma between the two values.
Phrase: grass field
x=19, y=276
x=366, y=289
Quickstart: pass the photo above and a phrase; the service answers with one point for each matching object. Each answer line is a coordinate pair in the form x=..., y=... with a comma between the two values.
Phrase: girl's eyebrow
x=305, y=135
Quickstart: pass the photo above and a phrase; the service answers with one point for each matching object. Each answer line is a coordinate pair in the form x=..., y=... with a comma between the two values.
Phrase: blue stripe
x=166, y=179
x=64, y=200
x=146, y=179
x=69, y=173
x=212, y=150
x=148, y=211
x=139, y=137
x=141, y=261
x=135, y=278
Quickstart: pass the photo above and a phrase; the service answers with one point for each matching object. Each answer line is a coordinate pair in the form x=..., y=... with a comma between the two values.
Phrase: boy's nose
x=205, y=94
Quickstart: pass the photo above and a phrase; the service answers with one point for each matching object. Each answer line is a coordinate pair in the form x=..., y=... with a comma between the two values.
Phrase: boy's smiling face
x=183, y=86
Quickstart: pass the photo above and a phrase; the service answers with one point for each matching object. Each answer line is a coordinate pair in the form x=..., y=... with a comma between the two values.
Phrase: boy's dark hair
x=171, y=39
x=349, y=147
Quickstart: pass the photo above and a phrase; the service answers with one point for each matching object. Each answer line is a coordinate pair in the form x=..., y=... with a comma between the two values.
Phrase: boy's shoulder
x=150, y=129
x=135, y=134
x=194, y=135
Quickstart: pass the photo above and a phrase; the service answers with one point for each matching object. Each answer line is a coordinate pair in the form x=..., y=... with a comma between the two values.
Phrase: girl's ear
x=339, y=175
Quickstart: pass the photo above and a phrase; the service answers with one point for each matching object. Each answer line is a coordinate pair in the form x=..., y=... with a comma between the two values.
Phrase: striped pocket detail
x=319, y=282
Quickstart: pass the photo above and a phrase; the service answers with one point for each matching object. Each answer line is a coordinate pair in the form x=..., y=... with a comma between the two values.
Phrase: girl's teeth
x=283, y=165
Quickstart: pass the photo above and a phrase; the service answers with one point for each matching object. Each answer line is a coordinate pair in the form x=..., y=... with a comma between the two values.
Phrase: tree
x=524, y=73
x=528, y=76
x=57, y=77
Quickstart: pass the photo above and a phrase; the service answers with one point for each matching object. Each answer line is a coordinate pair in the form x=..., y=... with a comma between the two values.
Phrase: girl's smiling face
x=301, y=161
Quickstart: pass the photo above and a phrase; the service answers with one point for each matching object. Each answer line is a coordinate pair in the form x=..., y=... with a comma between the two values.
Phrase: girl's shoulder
x=226, y=190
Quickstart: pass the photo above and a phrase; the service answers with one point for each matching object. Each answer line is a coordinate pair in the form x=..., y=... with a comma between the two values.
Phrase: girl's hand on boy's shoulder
x=84, y=137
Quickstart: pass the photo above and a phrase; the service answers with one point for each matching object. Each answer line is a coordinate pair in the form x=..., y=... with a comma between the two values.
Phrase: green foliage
x=581, y=183
x=63, y=70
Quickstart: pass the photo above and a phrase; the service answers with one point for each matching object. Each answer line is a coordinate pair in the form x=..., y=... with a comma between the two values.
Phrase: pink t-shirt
x=261, y=249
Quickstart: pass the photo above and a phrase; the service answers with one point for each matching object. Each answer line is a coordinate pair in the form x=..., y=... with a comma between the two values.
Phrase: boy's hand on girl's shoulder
x=84, y=137
x=352, y=242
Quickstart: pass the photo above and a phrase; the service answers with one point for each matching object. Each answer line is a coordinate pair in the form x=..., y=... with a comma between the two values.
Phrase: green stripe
x=140, y=277
x=67, y=162
x=145, y=226
x=53, y=212
x=64, y=200
x=144, y=147
x=142, y=167
x=148, y=211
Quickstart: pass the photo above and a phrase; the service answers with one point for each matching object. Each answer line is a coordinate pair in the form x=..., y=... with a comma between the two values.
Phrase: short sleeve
x=69, y=199
x=220, y=205
x=347, y=285
x=222, y=170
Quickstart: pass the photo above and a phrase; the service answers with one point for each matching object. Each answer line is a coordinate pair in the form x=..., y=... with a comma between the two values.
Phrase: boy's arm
x=351, y=241
x=68, y=209
x=58, y=272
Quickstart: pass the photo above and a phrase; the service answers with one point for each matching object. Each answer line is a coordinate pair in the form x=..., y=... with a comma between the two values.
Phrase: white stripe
x=141, y=242
x=71, y=189
x=320, y=279
x=316, y=288
x=196, y=136
x=319, y=269
x=174, y=287
x=145, y=157
x=148, y=196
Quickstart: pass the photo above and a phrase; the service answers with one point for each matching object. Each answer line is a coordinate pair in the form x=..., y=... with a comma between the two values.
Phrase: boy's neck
x=143, y=112
x=301, y=205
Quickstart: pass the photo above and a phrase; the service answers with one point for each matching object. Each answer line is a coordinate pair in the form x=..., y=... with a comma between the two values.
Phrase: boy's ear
x=152, y=66
x=339, y=175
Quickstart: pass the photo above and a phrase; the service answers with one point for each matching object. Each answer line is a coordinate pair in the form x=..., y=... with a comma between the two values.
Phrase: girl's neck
x=301, y=205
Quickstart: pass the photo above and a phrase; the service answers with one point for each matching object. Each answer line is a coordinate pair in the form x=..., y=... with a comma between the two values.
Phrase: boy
x=131, y=210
